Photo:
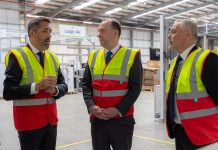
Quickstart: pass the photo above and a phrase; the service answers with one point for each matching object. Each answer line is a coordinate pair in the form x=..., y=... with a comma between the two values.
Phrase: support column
x=152, y=38
x=163, y=64
x=131, y=38
x=205, y=37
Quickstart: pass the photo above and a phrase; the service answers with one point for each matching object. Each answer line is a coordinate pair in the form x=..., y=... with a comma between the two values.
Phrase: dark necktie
x=41, y=58
x=108, y=56
x=171, y=98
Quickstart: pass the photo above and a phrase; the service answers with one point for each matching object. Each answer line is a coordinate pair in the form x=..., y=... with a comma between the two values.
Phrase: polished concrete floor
x=74, y=126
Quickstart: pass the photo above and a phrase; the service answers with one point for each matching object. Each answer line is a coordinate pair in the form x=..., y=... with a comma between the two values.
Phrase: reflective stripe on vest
x=194, y=94
x=199, y=113
x=93, y=62
x=54, y=61
x=122, y=77
x=30, y=74
x=28, y=66
x=110, y=93
x=109, y=77
x=34, y=102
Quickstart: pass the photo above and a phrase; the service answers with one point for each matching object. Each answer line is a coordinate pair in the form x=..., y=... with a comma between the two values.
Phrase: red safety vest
x=38, y=111
x=197, y=110
x=110, y=82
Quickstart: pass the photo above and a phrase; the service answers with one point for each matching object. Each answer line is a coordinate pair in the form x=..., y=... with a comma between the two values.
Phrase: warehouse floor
x=74, y=126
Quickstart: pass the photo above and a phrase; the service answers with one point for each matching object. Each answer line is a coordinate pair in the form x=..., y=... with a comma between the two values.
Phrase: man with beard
x=191, y=86
x=34, y=82
x=111, y=84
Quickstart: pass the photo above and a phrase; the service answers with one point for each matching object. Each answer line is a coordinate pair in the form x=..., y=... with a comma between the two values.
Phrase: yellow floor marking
x=72, y=144
x=156, y=140
x=87, y=141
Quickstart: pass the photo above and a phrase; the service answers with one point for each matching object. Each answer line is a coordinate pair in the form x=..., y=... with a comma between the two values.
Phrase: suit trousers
x=182, y=140
x=38, y=139
x=107, y=134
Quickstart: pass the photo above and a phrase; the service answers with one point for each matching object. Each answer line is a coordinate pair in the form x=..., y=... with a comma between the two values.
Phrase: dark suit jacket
x=209, y=77
x=135, y=84
x=14, y=91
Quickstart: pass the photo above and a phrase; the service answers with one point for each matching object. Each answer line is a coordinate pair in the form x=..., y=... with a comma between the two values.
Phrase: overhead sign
x=71, y=30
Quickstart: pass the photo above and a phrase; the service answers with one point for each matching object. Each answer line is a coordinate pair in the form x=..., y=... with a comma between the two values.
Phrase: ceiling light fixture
x=189, y=11
x=87, y=22
x=83, y=5
x=135, y=3
x=62, y=19
x=34, y=16
x=41, y=1
x=161, y=8
x=132, y=4
x=113, y=11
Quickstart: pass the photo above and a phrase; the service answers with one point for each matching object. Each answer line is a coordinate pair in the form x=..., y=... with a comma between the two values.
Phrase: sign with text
x=71, y=30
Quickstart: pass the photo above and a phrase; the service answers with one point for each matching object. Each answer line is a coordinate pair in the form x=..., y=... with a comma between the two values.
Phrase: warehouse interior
x=145, y=25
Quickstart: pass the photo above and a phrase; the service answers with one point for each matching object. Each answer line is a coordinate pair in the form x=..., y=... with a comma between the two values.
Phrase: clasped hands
x=48, y=84
x=104, y=113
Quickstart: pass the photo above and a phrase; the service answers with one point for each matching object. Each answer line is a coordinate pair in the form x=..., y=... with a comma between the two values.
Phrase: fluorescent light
x=156, y=10
x=87, y=22
x=113, y=10
x=206, y=21
x=132, y=4
x=34, y=16
x=189, y=11
x=135, y=3
x=41, y=1
x=83, y=5
x=61, y=19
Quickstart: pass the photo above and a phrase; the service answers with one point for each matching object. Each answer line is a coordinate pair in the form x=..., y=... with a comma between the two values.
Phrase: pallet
x=148, y=88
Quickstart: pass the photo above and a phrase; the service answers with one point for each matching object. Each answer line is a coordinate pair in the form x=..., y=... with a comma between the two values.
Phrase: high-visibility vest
x=36, y=112
x=197, y=110
x=110, y=82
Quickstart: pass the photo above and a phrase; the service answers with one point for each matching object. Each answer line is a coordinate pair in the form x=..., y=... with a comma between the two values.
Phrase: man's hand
x=51, y=90
x=46, y=82
x=110, y=112
x=97, y=111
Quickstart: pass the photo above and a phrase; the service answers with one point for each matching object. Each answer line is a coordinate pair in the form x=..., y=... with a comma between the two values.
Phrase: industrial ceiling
x=132, y=13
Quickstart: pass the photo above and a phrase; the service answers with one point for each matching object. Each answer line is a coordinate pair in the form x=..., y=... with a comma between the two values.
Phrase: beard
x=46, y=44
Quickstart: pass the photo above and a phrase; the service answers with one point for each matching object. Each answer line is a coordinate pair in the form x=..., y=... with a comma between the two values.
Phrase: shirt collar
x=114, y=50
x=33, y=48
x=185, y=53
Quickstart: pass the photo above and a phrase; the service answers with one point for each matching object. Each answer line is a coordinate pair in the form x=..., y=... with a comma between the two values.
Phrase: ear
x=116, y=32
x=188, y=34
x=32, y=32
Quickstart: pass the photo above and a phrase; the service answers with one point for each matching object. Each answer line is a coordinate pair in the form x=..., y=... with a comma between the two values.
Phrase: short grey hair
x=191, y=24
x=34, y=23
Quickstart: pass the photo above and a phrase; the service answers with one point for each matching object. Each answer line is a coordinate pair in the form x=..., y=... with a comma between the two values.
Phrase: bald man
x=192, y=93
x=111, y=85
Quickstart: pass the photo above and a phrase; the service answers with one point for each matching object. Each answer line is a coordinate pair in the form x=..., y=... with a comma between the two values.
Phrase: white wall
x=141, y=40
x=9, y=26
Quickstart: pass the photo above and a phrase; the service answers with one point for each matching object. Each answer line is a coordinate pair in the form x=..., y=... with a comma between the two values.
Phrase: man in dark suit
x=34, y=82
x=192, y=95
x=111, y=84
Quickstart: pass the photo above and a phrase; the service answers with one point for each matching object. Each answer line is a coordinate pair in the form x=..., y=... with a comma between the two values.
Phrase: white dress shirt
x=184, y=55
x=33, y=85
x=114, y=50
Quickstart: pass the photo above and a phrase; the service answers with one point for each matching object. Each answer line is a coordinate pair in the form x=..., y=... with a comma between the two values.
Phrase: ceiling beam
x=121, y=4
x=150, y=9
x=181, y=11
x=207, y=14
x=62, y=8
